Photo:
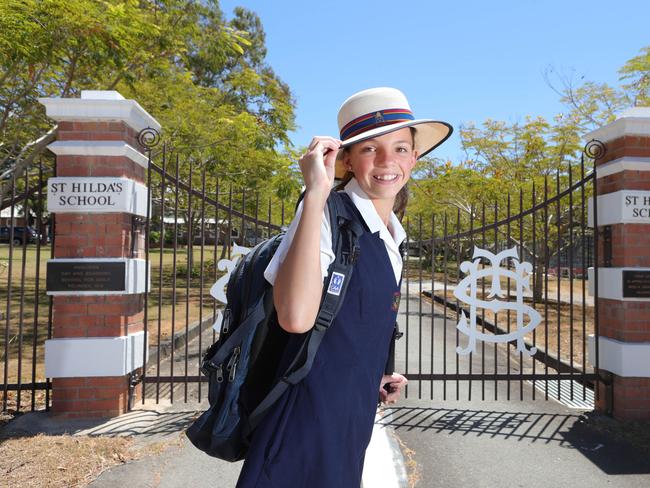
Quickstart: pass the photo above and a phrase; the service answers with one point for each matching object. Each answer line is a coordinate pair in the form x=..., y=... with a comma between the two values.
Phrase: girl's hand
x=395, y=383
x=317, y=164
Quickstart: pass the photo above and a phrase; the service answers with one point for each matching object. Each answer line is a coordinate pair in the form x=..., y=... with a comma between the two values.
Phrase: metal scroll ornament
x=218, y=290
x=148, y=137
x=595, y=149
x=466, y=293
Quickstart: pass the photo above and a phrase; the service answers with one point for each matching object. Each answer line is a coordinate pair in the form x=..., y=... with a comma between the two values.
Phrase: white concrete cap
x=79, y=357
x=99, y=148
x=634, y=121
x=101, y=95
x=100, y=106
x=628, y=359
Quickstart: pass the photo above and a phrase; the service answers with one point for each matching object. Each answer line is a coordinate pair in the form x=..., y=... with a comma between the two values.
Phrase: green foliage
x=637, y=72
x=502, y=159
x=202, y=76
x=207, y=266
x=508, y=168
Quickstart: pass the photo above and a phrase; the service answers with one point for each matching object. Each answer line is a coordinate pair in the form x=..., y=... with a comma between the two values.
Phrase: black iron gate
x=197, y=226
x=453, y=263
x=196, y=229
x=26, y=242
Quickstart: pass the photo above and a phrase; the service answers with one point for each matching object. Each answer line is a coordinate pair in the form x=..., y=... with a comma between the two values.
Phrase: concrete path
x=437, y=444
x=511, y=444
x=489, y=434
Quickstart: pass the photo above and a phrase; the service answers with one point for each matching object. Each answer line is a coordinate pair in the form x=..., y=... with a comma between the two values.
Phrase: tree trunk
x=540, y=271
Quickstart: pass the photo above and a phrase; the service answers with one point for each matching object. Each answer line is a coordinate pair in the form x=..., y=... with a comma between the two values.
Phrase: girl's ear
x=414, y=161
x=346, y=161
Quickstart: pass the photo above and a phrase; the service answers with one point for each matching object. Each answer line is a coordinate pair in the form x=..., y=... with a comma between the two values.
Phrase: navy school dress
x=317, y=433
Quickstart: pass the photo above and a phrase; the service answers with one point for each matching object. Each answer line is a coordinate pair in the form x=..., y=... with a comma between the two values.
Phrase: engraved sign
x=636, y=205
x=86, y=276
x=98, y=195
x=636, y=284
x=622, y=207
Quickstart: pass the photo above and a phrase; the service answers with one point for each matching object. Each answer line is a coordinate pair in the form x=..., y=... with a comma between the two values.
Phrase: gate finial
x=595, y=149
x=148, y=137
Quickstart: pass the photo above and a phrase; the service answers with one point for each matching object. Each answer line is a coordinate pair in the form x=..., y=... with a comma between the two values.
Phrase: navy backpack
x=242, y=365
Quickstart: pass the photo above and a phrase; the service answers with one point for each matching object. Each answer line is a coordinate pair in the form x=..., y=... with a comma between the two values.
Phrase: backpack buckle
x=324, y=319
x=355, y=254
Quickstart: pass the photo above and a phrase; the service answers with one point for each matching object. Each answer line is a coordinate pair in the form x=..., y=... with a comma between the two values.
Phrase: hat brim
x=429, y=135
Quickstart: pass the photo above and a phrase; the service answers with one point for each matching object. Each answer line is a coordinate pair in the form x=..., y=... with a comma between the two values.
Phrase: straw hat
x=377, y=111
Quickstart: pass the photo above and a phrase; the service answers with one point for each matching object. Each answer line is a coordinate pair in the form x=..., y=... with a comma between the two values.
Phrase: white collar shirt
x=392, y=235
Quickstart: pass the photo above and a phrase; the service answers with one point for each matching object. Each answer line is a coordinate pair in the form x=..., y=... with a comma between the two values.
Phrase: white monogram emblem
x=218, y=290
x=521, y=275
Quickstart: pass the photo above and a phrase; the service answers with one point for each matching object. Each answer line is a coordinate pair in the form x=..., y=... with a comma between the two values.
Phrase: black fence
x=221, y=222
x=453, y=349
x=197, y=227
x=26, y=242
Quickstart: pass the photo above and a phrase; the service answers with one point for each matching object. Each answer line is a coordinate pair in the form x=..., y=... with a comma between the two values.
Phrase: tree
x=504, y=162
x=637, y=73
x=202, y=76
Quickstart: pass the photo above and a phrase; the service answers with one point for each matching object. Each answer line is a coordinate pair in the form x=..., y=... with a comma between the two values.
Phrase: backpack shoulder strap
x=346, y=231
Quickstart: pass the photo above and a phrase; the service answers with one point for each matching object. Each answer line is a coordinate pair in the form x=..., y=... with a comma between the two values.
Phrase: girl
x=317, y=434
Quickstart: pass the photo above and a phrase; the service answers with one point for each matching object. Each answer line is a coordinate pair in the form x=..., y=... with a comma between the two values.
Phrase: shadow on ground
x=143, y=425
x=612, y=455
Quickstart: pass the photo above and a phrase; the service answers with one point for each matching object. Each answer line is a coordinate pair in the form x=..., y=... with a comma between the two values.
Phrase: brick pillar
x=98, y=337
x=623, y=185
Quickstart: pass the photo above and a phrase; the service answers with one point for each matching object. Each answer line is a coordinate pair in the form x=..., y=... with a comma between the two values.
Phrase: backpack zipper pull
x=231, y=376
x=232, y=363
x=233, y=358
x=226, y=321
x=219, y=374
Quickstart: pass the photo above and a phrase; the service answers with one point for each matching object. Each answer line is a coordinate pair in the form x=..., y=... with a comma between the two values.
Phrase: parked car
x=20, y=234
x=209, y=236
x=251, y=238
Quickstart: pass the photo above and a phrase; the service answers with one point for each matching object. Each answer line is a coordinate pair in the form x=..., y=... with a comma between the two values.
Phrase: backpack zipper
x=226, y=321
x=231, y=376
x=232, y=363
x=219, y=374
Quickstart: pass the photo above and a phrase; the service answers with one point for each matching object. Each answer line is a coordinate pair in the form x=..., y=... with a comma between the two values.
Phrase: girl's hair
x=401, y=199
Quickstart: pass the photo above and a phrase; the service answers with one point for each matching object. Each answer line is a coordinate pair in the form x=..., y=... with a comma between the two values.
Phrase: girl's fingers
x=325, y=142
x=398, y=378
x=326, y=146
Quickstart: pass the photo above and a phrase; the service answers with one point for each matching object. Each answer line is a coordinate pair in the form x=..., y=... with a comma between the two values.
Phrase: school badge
x=379, y=118
x=521, y=277
x=396, y=298
x=336, y=284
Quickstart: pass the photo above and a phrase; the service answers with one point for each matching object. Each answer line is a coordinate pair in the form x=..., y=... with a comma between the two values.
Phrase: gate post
x=623, y=219
x=97, y=276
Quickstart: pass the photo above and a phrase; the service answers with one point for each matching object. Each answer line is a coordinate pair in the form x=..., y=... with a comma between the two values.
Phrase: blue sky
x=455, y=61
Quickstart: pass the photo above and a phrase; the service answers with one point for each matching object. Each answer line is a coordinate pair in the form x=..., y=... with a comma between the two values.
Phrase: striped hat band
x=375, y=119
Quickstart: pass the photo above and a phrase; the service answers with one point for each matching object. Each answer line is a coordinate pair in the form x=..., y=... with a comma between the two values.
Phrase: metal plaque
x=86, y=276
x=636, y=284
